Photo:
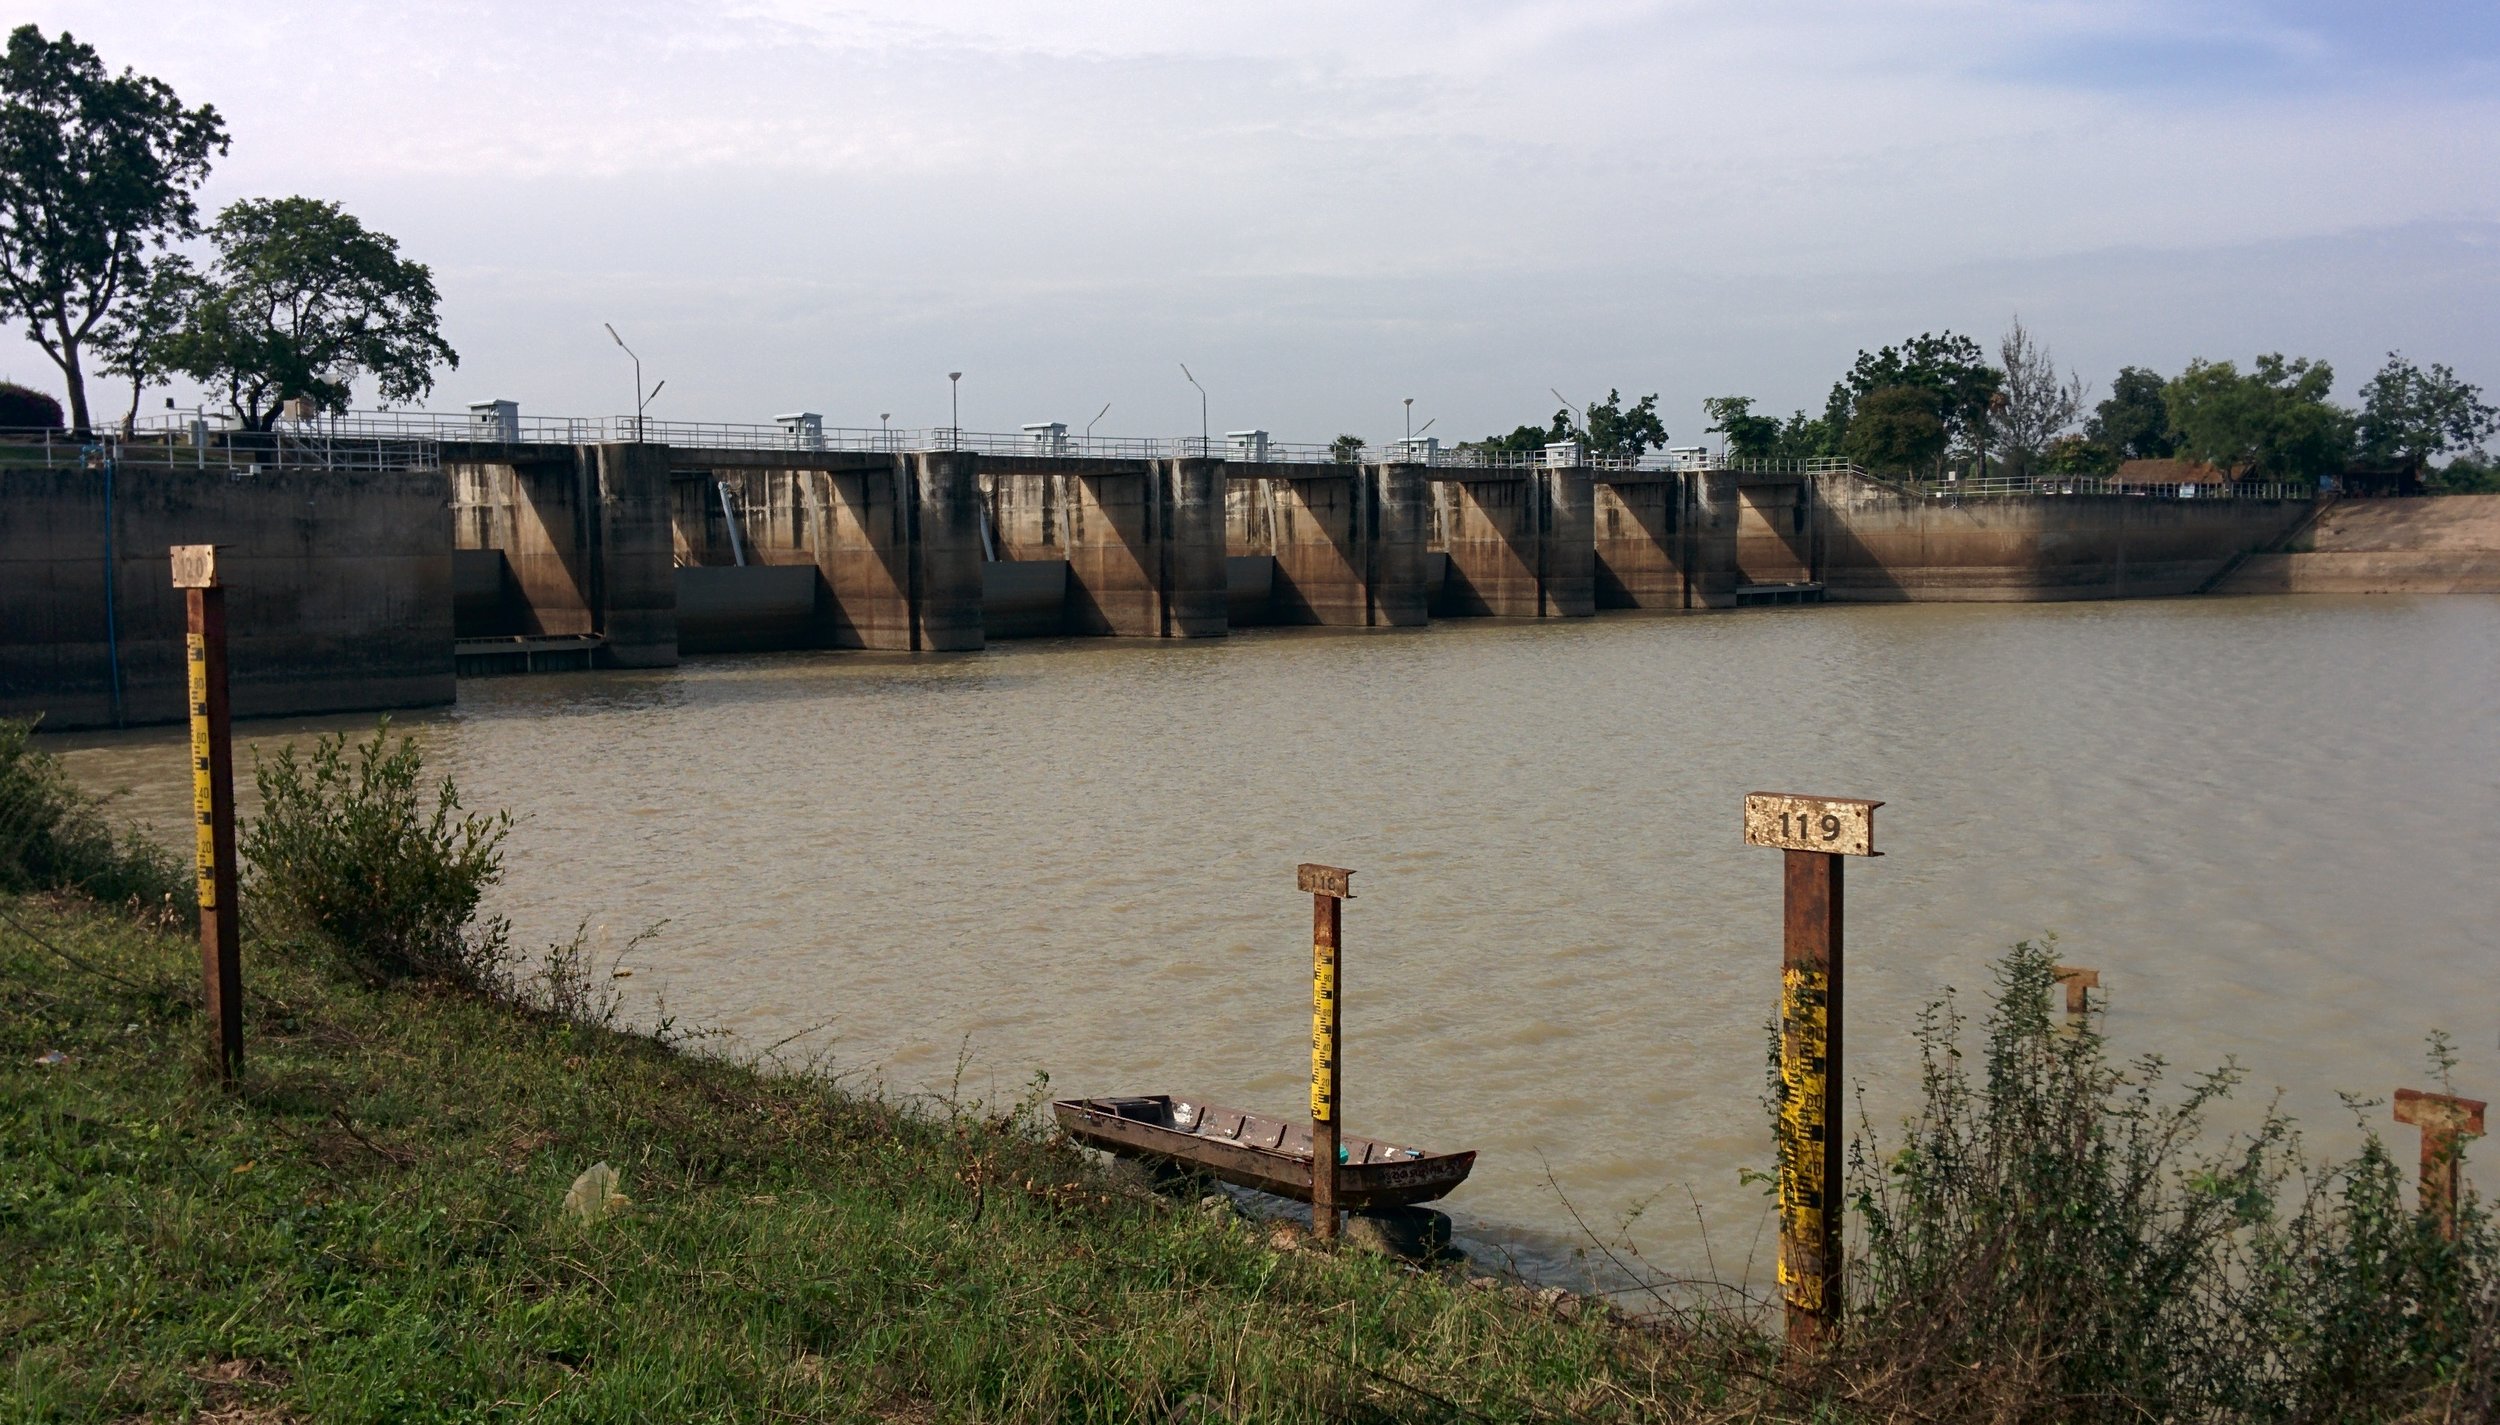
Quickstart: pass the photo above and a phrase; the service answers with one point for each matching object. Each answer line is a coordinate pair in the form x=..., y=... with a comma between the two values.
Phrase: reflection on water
x=2269, y=822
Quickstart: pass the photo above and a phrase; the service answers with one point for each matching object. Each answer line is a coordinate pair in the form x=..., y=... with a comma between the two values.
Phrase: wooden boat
x=1255, y=1151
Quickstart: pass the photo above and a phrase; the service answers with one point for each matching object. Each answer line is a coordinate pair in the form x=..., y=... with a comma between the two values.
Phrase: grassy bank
x=372, y=1229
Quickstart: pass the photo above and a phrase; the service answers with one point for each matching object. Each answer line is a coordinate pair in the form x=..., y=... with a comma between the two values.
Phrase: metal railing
x=2037, y=486
x=227, y=452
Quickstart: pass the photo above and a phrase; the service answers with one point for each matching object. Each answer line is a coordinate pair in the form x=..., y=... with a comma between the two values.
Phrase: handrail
x=241, y=454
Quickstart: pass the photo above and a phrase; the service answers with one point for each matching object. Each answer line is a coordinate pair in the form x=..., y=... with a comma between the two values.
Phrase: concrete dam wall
x=358, y=590
x=340, y=591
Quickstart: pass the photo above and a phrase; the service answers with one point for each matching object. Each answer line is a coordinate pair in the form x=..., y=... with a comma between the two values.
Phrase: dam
x=379, y=559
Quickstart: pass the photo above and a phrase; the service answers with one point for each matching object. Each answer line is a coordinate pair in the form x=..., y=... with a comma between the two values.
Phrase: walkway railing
x=237, y=453
x=407, y=439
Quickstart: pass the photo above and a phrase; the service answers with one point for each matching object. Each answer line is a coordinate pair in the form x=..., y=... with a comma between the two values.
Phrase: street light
x=885, y=437
x=955, y=409
x=1202, y=409
x=1098, y=415
x=640, y=399
x=1410, y=418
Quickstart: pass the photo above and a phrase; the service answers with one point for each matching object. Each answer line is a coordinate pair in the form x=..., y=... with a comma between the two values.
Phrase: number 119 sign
x=1840, y=826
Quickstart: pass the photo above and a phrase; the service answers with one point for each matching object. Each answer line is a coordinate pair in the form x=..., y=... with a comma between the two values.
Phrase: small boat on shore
x=1255, y=1151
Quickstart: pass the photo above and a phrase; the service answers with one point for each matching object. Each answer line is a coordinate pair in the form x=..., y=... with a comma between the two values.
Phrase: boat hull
x=1253, y=1151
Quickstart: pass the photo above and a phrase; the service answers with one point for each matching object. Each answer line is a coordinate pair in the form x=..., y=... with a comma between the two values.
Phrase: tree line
x=104, y=258
x=1935, y=404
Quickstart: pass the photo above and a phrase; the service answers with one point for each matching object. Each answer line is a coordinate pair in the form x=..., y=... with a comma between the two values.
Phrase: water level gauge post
x=1330, y=887
x=212, y=800
x=1815, y=833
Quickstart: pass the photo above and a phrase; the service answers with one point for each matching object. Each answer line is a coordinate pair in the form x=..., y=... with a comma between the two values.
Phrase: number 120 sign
x=1843, y=826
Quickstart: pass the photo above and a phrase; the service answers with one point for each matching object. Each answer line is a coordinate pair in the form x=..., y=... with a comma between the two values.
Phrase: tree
x=2038, y=407
x=1527, y=440
x=1617, y=431
x=96, y=171
x=1896, y=428
x=2077, y=455
x=1747, y=436
x=142, y=337
x=1346, y=449
x=2133, y=424
x=1951, y=369
x=2411, y=414
x=24, y=408
x=303, y=299
x=2275, y=420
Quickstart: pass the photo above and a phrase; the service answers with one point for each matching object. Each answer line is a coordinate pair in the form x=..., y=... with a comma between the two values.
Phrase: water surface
x=2269, y=822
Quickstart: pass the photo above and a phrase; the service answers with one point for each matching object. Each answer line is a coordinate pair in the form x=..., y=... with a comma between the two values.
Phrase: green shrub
x=2053, y=1241
x=346, y=850
x=55, y=837
x=25, y=408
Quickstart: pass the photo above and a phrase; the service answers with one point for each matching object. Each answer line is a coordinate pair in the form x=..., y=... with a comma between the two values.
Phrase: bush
x=55, y=837
x=345, y=850
x=25, y=408
x=2051, y=1243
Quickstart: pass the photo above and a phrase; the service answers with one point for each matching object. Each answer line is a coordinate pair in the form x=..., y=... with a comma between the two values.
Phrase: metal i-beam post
x=212, y=800
x=2446, y=1121
x=1814, y=833
x=1330, y=887
x=2079, y=983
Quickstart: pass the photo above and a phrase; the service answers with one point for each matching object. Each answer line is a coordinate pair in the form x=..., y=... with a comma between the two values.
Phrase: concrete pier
x=1143, y=540
x=1664, y=539
x=1348, y=542
x=1521, y=543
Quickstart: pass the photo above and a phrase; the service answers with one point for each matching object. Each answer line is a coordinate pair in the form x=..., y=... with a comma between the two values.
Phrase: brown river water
x=2271, y=823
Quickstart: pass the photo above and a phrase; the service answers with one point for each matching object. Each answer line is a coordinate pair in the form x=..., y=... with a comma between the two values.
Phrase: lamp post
x=1098, y=415
x=639, y=398
x=1410, y=418
x=1202, y=408
x=955, y=410
x=885, y=435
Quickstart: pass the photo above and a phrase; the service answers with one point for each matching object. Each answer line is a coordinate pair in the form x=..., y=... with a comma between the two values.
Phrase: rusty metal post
x=2446, y=1122
x=2078, y=982
x=1330, y=887
x=1814, y=833
x=212, y=800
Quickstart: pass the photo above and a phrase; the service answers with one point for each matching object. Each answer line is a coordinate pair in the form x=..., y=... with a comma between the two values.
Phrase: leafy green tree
x=2077, y=455
x=302, y=300
x=1617, y=431
x=1748, y=436
x=1346, y=449
x=2275, y=420
x=2473, y=473
x=2408, y=413
x=1527, y=440
x=1804, y=438
x=1961, y=386
x=96, y=171
x=1896, y=429
x=2133, y=424
x=141, y=338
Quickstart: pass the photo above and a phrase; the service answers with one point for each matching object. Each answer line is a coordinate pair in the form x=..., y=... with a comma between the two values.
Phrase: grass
x=370, y=1228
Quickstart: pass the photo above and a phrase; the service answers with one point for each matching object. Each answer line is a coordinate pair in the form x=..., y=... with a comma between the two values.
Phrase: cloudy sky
x=1324, y=208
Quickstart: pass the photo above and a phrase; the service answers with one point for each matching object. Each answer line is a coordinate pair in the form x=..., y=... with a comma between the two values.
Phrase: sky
x=1326, y=208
